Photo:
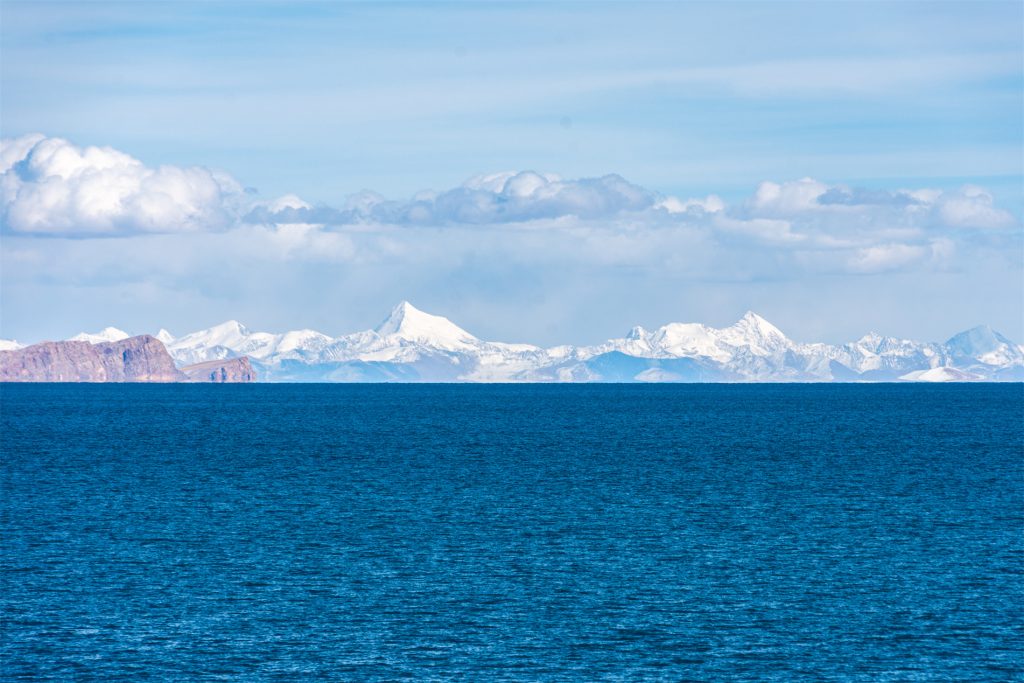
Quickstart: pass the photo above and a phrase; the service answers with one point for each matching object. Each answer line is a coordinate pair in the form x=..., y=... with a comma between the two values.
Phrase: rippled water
x=290, y=532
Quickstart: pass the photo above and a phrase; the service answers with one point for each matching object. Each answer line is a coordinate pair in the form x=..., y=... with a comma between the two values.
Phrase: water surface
x=381, y=532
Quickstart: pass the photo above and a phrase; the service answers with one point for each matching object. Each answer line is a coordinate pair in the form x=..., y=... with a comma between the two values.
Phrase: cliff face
x=219, y=371
x=136, y=359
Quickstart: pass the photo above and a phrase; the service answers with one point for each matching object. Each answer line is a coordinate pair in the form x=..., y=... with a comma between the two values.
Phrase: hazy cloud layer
x=53, y=187
x=188, y=235
x=511, y=197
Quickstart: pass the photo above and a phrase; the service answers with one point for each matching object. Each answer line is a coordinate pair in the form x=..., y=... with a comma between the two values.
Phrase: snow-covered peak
x=10, y=345
x=636, y=334
x=302, y=340
x=164, y=336
x=985, y=345
x=687, y=339
x=107, y=334
x=408, y=323
x=980, y=338
x=755, y=332
x=753, y=322
x=232, y=338
x=751, y=334
x=228, y=334
x=870, y=341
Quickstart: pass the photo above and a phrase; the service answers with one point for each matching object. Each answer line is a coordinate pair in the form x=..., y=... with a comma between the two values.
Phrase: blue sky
x=324, y=100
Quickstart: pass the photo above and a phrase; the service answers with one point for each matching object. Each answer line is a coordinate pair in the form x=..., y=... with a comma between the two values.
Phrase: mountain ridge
x=412, y=345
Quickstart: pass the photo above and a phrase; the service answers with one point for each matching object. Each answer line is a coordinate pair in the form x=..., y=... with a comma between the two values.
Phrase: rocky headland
x=136, y=359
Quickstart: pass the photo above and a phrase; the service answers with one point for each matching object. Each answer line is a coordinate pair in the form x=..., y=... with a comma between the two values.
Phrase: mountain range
x=413, y=346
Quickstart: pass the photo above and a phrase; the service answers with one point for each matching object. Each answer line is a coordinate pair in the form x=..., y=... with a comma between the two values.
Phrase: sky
x=551, y=173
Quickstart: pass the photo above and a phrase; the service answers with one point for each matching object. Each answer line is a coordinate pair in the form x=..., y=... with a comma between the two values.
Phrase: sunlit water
x=303, y=532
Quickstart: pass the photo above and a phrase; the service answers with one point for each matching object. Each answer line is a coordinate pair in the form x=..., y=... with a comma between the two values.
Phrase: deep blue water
x=381, y=532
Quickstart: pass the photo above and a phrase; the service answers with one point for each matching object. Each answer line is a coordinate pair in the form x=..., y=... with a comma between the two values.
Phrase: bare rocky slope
x=135, y=359
x=221, y=371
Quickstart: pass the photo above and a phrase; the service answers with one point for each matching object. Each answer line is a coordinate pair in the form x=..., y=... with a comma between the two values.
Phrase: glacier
x=410, y=345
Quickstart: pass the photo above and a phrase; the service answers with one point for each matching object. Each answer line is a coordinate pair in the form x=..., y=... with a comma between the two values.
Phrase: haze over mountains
x=413, y=346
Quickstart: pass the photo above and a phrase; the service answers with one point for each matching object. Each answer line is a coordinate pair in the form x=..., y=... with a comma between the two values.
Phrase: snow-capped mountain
x=410, y=345
x=983, y=345
x=107, y=334
x=751, y=336
x=408, y=324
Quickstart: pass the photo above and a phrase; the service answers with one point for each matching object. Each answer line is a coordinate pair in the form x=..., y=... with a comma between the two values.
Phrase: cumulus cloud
x=51, y=186
x=775, y=199
x=811, y=200
x=885, y=257
x=500, y=198
x=972, y=207
x=760, y=230
x=808, y=212
x=710, y=204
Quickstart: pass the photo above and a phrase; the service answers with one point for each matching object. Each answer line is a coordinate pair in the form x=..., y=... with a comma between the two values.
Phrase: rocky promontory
x=221, y=371
x=136, y=359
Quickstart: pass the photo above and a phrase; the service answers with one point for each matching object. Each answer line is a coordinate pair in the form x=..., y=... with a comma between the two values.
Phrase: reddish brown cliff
x=137, y=359
x=229, y=370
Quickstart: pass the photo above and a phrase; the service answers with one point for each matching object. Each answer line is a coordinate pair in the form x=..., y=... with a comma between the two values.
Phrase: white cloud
x=773, y=199
x=495, y=199
x=13, y=150
x=762, y=230
x=51, y=186
x=966, y=207
x=886, y=257
x=710, y=204
x=524, y=220
x=516, y=197
x=839, y=228
x=971, y=207
x=288, y=201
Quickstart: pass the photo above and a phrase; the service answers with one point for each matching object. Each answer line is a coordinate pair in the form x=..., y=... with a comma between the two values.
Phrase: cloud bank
x=193, y=237
x=53, y=187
